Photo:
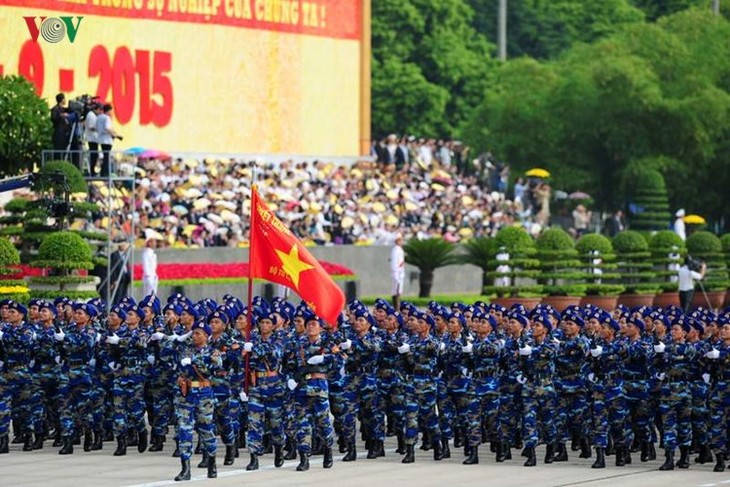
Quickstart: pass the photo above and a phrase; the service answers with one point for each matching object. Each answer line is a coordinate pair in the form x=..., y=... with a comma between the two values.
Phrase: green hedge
x=9, y=257
x=64, y=250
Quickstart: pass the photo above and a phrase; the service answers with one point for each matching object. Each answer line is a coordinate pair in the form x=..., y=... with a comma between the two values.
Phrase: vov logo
x=53, y=29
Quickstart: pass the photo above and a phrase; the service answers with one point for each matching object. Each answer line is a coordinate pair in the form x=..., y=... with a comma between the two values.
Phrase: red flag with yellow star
x=277, y=255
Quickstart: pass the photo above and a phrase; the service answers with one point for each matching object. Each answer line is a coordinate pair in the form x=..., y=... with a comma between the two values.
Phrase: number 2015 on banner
x=121, y=79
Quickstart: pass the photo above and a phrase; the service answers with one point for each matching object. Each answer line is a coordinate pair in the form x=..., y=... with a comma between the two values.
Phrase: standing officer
x=195, y=407
x=720, y=396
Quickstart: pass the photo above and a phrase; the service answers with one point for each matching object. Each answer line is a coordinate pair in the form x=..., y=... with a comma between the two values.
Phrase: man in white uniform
x=149, y=265
x=397, y=270
x=679, y=224
x=687, y=279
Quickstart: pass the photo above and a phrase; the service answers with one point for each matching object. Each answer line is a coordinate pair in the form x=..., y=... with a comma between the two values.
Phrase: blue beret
x=136, y=310
x=191, y=310
x=151, y=301
x=637, y=322
x=520, y=318
x=201, y=325
x=46, y=305
x=218, y=314
x=17, y=307
x=120, y=312
x=519, y=308
x=429, y=320
x=685, y=323
x=89, y=309
x=543, y=319
x=175, y=297
x=174, y=307
x=460, y=317
x=35, y=302
x=575, y=318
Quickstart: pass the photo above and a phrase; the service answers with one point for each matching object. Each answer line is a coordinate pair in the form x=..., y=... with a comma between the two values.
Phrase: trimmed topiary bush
x=707, y=246
x=667, y=249
x=74, y=177
x=559, y=264
x=521, y=264
x=632, y=258
x=11, y=288
x=596, y=253
x=65, y=254
x=648, y=195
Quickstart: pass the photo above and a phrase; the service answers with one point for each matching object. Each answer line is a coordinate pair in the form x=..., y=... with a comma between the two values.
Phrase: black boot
x=4, y=442
x=185, y=472
x=426, y=441
x=204, y=461
x=176, y=453
x=108, y=435
x=401, y=444
x=212, y=468
x=254, y=463
x=88, y=440
x=278, y=455
x=291, y=454
x=550, y=453
x=38, y=443
x=473, y=458
x=531, y=458
x=28, y=442
x=644, y=451
x=156, y=442
x=327, y=462
x=121, y=446
x=683, y=457
x=585, y=448
x=97, y=444
x=445, y=451
x=669, y=462
x=627, y=455
x=502, y=452
x=381, y=449
x=410, y=454
x=341, y=444
x=600, y=458
x=199, y=448
x=610, y=450
x=438, y=454
x=562, y=453
x=142, y=441
x=720, y=462
x=705, y=455
x=620, y=457
x=458, y=438
x=574, y=442
x=57, y=440
x=351, y=454
x=303, y=462
x=372, y=450
x=230, y=455
x=68, y=446
x=652, y=451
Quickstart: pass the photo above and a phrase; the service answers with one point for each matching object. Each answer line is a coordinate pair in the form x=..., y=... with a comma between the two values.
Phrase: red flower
x=217, y=271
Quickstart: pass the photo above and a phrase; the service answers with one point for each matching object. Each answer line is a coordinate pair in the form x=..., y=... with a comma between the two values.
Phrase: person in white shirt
x=503, y=256
x=397, y=270
x=673, y=265
x=92, y=135
x=687, y=279
x=679, y=224
x=106, y=136
x=149, y=266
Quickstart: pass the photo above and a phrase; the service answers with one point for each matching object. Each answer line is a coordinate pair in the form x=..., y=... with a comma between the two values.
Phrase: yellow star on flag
x=292, y=265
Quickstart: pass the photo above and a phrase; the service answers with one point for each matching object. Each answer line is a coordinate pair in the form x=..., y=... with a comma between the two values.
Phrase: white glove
x=706, y=378
x=442, y=346
x=660, y=347
x=315, y=360
x=182, y=338
x=248, y=346
x=113, y=339
x=713, y=354
x=98, y=337
x=57, y=359
x=157, y=336
x=556, y=341
x=405, y=348
x=113, y=365
x=1, y=364
x=243, y=396
x=468, y=348
x=502, y=342
x=92, y=362
x=346, y=344
x=31, y=364
x=59, y=336
x=171, y=338
x=525, y=351
x=34, y=336
x=521, y=379
x=661, y=375
x=596, y=352
x=186, y=361
x=291, y=384
x=592, y=377
x=151, y=359
x=1, y=334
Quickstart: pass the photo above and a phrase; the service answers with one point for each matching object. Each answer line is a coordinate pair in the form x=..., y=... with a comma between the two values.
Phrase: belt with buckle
x=316, y=375
x=268, y=373
x=200, y=384
x=75, y=362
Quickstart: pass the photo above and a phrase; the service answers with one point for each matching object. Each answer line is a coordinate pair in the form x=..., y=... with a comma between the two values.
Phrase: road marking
x=607, y=478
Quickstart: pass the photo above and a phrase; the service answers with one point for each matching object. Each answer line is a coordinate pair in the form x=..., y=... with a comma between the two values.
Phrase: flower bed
x=230, y=272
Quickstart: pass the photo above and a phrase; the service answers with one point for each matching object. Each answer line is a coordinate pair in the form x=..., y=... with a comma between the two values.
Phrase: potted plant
x=667, y=249
x=707, y=247
x=513, y=268
x=68, y=257
x=560, y=275
x=14, y=289
x=428, y=255
x=596, y=253
x=637, y=273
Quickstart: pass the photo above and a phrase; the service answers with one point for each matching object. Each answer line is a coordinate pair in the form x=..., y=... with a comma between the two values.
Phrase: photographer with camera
x=59, y=118
x=106, y=136
x=690, y=271
x=92, y=135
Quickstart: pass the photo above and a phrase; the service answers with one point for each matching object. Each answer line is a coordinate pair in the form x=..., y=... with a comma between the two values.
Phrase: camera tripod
x=707, y=298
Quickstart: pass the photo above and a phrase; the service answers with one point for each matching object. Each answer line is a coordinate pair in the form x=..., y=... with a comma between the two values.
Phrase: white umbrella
x=215, y=218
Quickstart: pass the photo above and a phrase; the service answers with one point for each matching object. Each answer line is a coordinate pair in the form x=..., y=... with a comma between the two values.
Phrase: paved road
x=46, y=468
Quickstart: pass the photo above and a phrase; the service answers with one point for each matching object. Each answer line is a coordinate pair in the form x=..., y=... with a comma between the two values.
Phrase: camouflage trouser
x=572, y=415
x=313, y=409
x=421, y=405
x=226, y=411
x=76, y=408
x=195, y=412
x=343, y=403
x=393, y=399
x=510, y=407
x=446, y=409
x=19, y=400
x=51, y=385
x=368, y=404
x=538, y=406
x=468, y=415
x=676, y=408
x=700, y=412
x=720, y=416
x=265, y=406
x=489, y=414
x=639, y=418
x=129, y=404
x=609, y=413
x=163, y=391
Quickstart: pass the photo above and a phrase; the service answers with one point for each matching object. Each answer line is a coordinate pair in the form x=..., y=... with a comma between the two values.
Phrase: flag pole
x=249, y=315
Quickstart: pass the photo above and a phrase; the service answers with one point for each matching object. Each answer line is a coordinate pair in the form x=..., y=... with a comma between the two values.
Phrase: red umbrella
x=579, y=195
x=155, y=154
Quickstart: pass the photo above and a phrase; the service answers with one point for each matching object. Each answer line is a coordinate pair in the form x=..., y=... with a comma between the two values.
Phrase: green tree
x=25, y=125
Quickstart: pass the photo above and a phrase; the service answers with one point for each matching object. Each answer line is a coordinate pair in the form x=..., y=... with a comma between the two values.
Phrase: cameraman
x=92, y=135
x=59, y=118
x=106, y=136
x=687, y=276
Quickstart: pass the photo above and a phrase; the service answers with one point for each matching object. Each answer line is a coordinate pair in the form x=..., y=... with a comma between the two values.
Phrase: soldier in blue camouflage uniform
x=196, y=403
x=537, y=369
x=636, y=386
x=510, y=390
x=699, y=387
x=572, y=370
x=719, y=404
x=290, y=369
x=128, y=388
x=674, y=370
x=266, y=392
x=311, y=392
x=78, y=352
x=391, y=375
